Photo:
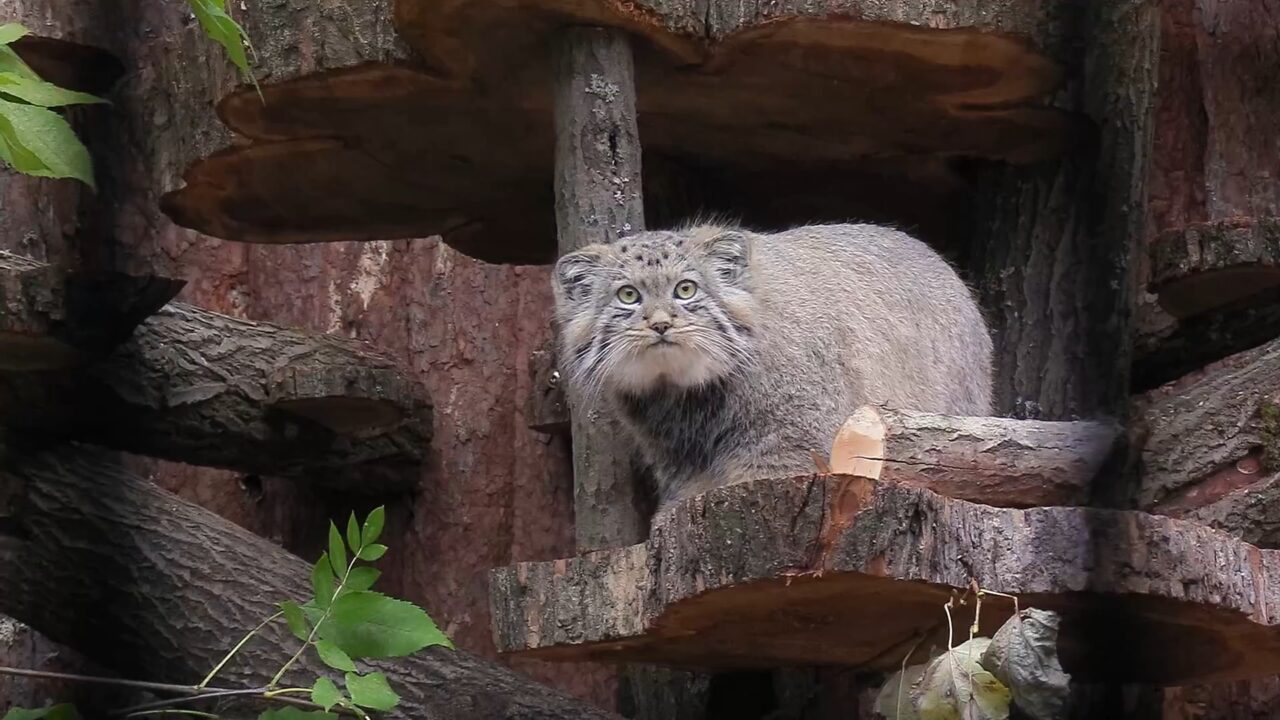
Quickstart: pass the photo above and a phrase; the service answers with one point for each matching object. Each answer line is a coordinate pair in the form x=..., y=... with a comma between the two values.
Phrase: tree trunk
x=158, y=588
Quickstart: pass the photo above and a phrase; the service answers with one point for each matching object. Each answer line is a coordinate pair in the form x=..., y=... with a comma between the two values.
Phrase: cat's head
x=658, y=308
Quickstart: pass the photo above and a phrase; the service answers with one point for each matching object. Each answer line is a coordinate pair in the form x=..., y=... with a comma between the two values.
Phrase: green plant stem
x=311, y=637
x=176, y=711
x=218, y=668
x=284, y=691
x=138, y=684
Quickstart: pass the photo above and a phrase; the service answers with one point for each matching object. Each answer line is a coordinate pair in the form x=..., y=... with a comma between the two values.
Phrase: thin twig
x=171, y=702
x=218, y=668
x=175, y=711
x=138, y=684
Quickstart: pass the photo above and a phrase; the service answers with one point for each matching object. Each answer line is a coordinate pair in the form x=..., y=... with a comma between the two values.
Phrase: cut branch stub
x=463, y=145
x=800, y=571
x=159, y=588
x=1212, y=434
x=996, y=461
x=1208, y=265
x=51, y=318
x=202, y=388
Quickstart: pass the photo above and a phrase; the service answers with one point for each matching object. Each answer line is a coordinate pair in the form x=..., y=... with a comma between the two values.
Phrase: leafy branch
x=34, y=139
x=344, y=621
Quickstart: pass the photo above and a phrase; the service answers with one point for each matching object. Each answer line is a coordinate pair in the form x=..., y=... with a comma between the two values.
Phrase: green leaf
x=63, y=711
x=337, y=552
x=8, y=33
x=369, y=553
x=325, y=694
x=296, y=620
x=39, y=92
x=333, y=656
x=222, y=29
x=361, y=578
x=368, y=624
x=40, y=142
x=373, y=525
x=11, y=63
x=293, y=713
x=353, y=534
x=322, y=582
x=371, y=691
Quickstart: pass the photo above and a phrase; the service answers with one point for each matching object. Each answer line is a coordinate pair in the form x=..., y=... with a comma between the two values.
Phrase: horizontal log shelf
x=850, y=570
x=458, y=141
x=198, y=387
x=1207, y=265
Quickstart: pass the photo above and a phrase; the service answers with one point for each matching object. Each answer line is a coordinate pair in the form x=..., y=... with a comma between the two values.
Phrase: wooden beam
x=158, y=588
x=598, y=198
x=1206, y=265
x=52, y=318
x=817, y=570
x=201, y=388
x=995, y=461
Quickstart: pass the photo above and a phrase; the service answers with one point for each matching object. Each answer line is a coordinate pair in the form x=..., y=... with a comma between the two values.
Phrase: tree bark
x=994, y=461
x=159, y=588
x=598, y=200
x=197, y=387
x=789, y=571
x=53, y=319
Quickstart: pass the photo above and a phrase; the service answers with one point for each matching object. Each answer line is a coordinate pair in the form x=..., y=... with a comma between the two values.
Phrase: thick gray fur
x=785, y=336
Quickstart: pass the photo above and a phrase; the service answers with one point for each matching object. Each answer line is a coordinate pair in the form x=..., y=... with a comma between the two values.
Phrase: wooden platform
x=457, y=141
x=834, y=569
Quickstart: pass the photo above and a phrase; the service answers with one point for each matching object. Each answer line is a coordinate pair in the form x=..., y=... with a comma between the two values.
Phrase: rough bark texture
x=793, y=571
x=1204, y=266
x=1210, y=420
x=598, y=199
x=994, y=461
x=157, y=588
x=51, y=318
x=547, y=409
x=727, y=89
x=197, y=387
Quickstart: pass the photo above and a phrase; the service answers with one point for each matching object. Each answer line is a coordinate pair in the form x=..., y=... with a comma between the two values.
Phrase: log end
x=779, y=572
x=348, y=399
x=460, y=145
x=1205, y=266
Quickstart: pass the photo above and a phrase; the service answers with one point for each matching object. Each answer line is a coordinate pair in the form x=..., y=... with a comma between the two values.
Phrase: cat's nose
x=661, y=327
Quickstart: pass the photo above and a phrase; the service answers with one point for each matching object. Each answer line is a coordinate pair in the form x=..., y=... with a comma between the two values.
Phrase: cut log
x=1207, y=422
x=157, y=588
x=1207, y=265
x=994, y=461
x=202, y=388
x=814, y=570
x=51, y=319
x=598, y=200
x=1206, y=338
x=724, y=86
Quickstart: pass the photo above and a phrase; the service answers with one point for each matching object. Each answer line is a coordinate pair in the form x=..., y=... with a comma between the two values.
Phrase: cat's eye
x=628, y=295
x=686, y=289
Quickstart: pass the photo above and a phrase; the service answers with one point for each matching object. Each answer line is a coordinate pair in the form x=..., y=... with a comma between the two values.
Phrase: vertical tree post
x=598, y=199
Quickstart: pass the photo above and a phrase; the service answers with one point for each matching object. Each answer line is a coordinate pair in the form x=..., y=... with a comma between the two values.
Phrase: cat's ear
x=575, y=274
x=729, y=254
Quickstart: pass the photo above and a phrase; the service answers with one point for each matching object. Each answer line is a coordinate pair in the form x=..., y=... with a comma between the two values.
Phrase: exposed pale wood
x=51, y=318
x=598, y=199
x=1207, y=421
x=810, y=571
x=206, y=389
x=994, y=461
x=158, y=588
x=729, y=88
x=1206, y=265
